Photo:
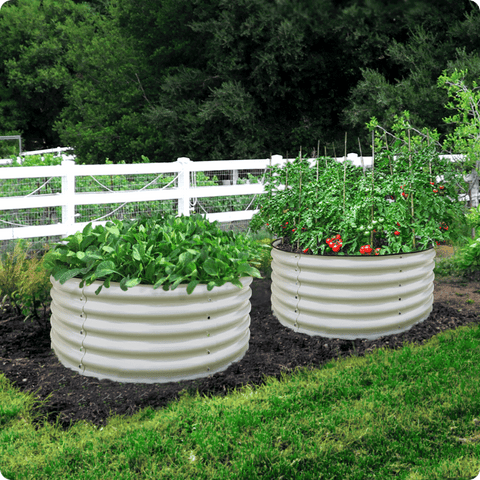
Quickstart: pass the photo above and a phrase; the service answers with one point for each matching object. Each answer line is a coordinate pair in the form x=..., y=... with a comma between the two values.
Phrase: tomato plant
x=328, y=199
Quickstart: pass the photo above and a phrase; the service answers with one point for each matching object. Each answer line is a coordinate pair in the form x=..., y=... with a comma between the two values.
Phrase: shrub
x=24, y=282
x=469, y=256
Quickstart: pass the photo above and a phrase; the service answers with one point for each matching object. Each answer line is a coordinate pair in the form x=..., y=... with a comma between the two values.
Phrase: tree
x=212, y=79
x=33, y=72
x=106, y=99
x=437, y=38
x=267, y=80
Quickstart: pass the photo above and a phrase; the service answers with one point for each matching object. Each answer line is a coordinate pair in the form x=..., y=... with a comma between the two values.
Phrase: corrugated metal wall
x=352, y=297
x=149, y=336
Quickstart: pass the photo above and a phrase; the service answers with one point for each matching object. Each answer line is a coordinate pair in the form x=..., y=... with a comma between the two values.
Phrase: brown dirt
x=26, y=358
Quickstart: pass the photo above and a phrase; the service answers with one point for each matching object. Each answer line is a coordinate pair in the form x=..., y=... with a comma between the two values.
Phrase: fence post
x=68, y=196
x=184, y=186
x=276, y=159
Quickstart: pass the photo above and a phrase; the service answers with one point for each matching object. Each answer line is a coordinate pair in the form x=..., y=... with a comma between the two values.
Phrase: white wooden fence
x=68, y=198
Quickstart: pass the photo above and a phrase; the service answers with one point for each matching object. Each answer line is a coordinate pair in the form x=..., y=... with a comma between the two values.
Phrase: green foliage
x=24, y=282
x=473, y=218
x=163, y=252
x=34, y=73
x=309, y=205
x=423, y=43
x=262, y=83
x=468, y=259
x=466, y=101
x=212, y=79
x=106, y=99
x=266, y=257
x=32, y=161
x=9, y=148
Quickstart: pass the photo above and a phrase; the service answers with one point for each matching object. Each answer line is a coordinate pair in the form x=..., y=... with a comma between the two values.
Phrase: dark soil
x=27, y=360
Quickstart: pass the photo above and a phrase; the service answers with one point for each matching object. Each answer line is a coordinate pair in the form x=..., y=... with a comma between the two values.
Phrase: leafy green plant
x=266, y=257
x=158, y=251
x=397, y=206
x=9, y=149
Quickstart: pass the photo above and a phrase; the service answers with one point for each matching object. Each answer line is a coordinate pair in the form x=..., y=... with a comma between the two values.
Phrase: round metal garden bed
x=144, y=335
x=351, y=297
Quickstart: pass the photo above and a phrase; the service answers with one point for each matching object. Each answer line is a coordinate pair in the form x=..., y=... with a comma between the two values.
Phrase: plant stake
x=411, y=191
x=361, y=156
x=344, y=171
x=373, y=162
x=299, y=204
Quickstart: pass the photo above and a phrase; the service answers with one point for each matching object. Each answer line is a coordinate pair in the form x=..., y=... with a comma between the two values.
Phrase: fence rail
x=180, y=189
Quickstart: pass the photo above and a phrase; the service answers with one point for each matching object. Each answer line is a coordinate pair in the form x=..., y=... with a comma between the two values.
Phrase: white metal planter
x=351, y=297
x=149, y=336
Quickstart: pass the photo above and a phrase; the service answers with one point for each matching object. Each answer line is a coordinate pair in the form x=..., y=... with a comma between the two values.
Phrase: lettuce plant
x=163, y=252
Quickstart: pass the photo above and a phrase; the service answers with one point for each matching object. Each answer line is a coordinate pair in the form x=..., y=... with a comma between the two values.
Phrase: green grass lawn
x=407, y=414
